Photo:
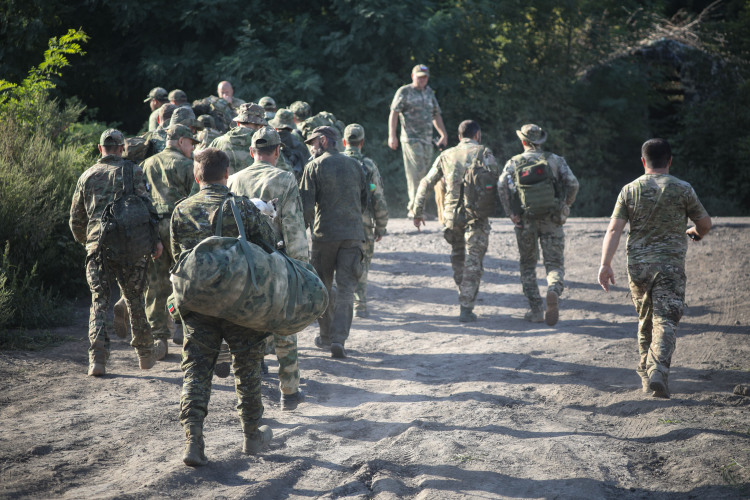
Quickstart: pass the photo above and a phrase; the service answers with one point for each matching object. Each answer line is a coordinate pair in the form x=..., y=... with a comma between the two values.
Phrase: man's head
x=269, y=105
x=178, y=97
x=251, y=115
x=284, y=119
x=207, y=121
x=181, y=137
x=156, y=98
x=165, y=114
x=301, y=110
x=354, y=135
x=531, y=135
x=322, y=139
x=210, y=166
x=266, y=145
x=111, y=142
x=225, y=91
x=420, y=74
x=469, y=129
x=185, y=116
x=656, y=154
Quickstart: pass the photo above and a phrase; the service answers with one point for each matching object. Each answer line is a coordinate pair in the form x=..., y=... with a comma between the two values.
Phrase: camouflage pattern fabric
x=285, y=347
x=468, y=246
x=551, y=237
x=417, y=158
x=203, y=336
x=360, y=291
x=417, y=108
x=153, y=123
x=295, y=153
x=206, y=136
x=658, y=292
x=658, y=206
x=169, y=176
x=236, y=144
x=158, y=140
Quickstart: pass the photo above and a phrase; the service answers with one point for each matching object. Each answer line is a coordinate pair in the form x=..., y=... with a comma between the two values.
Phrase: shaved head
x=225, y=88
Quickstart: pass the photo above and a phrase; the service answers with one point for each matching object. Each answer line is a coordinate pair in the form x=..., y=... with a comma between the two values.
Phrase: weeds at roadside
x=732, y=472
x=668, y=421
x=24, y=340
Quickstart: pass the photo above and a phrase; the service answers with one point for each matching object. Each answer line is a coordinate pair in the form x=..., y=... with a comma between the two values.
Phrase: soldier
x=537, y=189
x=178, y=98
x=170, y=177
x=156, y=98
x=209, y=132
x=333, y=195
x=467, y=235
x=157, y=139
x=269, y=105
x=375, y=216
x=302, y=112
x=193, y=220
x=225, y=91
x=96, y=188
x=264, y=181
x=236, y=142
x=186, y=116
x=416, y=106
x=295, y=152
x=657, y=205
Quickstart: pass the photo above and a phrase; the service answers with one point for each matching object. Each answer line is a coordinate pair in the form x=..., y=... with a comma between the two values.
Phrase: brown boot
x=553, y=312
x=146, y=357
x=160, y=349
x=98, y=359
x=256, y=440
x=194, y=454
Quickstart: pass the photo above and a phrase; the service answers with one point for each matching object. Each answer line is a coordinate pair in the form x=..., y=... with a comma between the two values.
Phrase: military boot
x=644, y=379
x=160, y=349
x=553, y=312
x=256, y=440
x=146, y=357
x=97, y=364
x=657, y=382
x=194, y=454
x=467, y=315
x=534, y=315
x=122, y=318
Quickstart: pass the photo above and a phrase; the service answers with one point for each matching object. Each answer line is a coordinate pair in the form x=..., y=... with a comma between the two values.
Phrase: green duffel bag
x=239, y=281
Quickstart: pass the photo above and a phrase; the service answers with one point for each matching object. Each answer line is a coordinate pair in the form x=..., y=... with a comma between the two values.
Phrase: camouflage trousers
x=342, y=259
x=360, y=292
x=550, y=236
x=658, y=292
x=468, y=246
x=158, y=286
x=100, y=275
x=418, y=156
x=203, y=336
x=285, y=347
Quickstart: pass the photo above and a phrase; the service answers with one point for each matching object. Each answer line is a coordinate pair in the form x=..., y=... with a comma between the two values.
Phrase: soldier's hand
x=418, y=221
x=606, y=275
x=693, y=233
x=442, y=142
x=393, y=143
x=378, y=238
x=158, y=251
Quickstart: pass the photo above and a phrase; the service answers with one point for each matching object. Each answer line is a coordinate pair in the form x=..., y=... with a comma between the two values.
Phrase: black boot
x=467, y=316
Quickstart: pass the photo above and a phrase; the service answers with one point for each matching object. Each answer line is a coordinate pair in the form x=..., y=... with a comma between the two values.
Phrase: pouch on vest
x=536, y=187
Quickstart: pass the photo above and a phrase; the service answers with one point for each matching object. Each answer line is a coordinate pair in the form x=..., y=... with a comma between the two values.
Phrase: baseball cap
x=265, y=137
x=532, y=133
x=177, y=130
x=329, y=132
x=268, y=103
x=185, y=116
x=158, y=93
x=284, y=119
x=111, y=137
x=207, y=121
x=354, y=132
x=178, y=95
x=420, y=70
x=250, y=112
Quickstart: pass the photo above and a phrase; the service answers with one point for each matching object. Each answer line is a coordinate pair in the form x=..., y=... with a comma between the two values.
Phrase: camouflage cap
x=158, y=93
x=185, y=116
x=354, y=132
x=420, y=70
x=251, y=113
x=268, y=103
x=532, y=133
x=111, y=137
x=165, y=113
x=301, y=110
x=178, y=95
x=207, y=121
x=284, y=119
x=329, y=133
x=265, y=137
x=177, y=130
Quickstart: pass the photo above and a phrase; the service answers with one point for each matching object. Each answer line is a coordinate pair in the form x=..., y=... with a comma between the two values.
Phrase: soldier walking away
x=416, y=106
x=179, y=98
x=537, y=189
x=375, y=216
x=333, y=195
x=155, y=99
x=193, y=220
x=294, y=151
x=96, y=192
x=236, y=142
x=657, y=206
x=467, y=231
x=269, y=105
x=264, y=181
x=302, y=112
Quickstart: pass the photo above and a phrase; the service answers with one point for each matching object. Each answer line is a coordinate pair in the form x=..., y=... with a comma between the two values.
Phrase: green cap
x=207, y=121
x=185, y=116
x=284, y=119
x=265, y=137
x=329, y=132
x=178, y=95
x=532, y=133
x=354, y=132
x=158, y=93
x=268, y=103
x=112, y=137
x=251, y=113
x=177, y=130
x=301, y=110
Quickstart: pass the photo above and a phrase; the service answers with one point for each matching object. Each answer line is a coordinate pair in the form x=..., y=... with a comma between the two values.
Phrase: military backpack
x=137, y=149
x=127, y=232
x=479, y=189
x=536, y=187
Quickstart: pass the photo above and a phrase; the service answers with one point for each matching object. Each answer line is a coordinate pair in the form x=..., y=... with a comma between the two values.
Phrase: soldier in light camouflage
x=468, y=238
x=170, y=178
x=157, y=139
x=657, y=206
x=269, y=104
x=375, y=216
x=263, y=180
x=193, y=220
x=546, y=230
x=417, y=108
x=156, y=99
x=236, y=143
x=302, y=112
x=96, y=188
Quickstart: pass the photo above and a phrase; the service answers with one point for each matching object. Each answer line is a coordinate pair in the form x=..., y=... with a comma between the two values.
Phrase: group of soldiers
x=313, y=173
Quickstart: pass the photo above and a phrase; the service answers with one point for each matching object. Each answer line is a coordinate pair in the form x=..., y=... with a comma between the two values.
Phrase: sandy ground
x=424, y=407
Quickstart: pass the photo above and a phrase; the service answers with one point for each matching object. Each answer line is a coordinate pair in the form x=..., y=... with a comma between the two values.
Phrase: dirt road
x=424, y=407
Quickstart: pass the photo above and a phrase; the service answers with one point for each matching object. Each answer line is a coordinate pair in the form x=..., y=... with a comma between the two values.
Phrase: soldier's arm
x=427, y=183
x=504, y=190
x=568, y=181
x=308, y=194
x=79, y=218
x=392, y=130
x=380, y=208
x=257, y=226
x=437, y=122
x=609, y=247
x=701, y=228
x=293, y=225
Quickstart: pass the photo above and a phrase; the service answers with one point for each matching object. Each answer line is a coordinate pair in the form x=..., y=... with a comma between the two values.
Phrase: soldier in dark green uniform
x=156, y=99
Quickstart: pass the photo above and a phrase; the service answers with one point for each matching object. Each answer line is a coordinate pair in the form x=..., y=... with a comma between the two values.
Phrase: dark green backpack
x=536, y=187
x=479, y=189
x=127, y=233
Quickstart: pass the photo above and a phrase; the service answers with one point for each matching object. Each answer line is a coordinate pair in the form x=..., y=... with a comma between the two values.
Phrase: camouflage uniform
x=374, y=220
x=236, y=144
x=657, y=207
x=417, y=108
x=169, y=175
x=263, y=180
x=546, y=230
x=193, y=220
x=468, y=238
x=96, y=188
x=153, y=122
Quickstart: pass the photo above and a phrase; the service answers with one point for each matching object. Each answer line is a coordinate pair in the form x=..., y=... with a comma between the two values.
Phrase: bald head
x=225, y=91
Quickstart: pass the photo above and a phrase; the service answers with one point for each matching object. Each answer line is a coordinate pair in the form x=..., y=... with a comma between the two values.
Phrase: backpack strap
x=128, y=186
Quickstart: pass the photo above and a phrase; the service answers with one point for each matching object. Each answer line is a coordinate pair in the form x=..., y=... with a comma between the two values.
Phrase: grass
x=732, y=473
x=668, y=421
x=24, y=340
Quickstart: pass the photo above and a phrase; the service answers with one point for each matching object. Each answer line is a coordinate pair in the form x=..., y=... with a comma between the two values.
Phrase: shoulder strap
x=127, y=178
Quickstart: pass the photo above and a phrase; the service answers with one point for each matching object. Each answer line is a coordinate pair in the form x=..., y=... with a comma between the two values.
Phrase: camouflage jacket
x=295, y=152
x=263, y=180
x=375, y=216
x=96, y=188
x=566, y=184
x=157, y=141
x=206, y=136
x=194, y=219
x=333, y=191
x=153, y=123
x=451, y=165
x=236, y=144
x=657, y=207
x=416, y=108
x=169, y=178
